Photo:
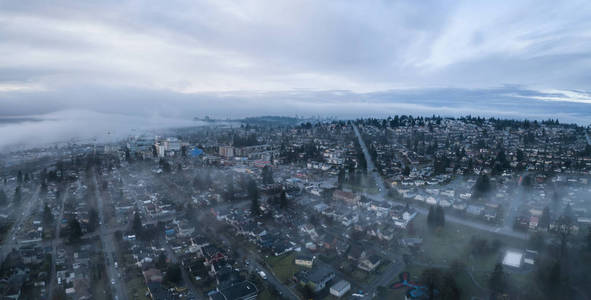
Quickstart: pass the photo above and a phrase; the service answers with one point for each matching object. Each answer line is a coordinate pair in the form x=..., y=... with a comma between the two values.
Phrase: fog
x=80, y=126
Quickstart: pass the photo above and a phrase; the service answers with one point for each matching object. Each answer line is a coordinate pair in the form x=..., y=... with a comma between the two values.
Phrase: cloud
x=181, y=58
x=206, y=46
x=79, y=126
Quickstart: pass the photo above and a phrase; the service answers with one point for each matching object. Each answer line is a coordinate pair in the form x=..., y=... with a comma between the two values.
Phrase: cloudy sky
x=178, y=59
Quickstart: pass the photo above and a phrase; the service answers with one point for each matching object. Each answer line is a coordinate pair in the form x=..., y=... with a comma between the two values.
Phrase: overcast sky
x=233, y=58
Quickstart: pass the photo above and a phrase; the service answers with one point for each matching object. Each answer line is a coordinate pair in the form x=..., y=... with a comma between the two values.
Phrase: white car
x=113, y=281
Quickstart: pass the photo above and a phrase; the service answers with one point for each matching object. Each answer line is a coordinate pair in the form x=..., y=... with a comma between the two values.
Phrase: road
x=10, y=240
x=253, y=258
x=119, y=287
x=371, y=168
x=285, y=291
x=449, y=218
x=55, y=242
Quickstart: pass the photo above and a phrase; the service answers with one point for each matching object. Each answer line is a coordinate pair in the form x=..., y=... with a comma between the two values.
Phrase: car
x=113, y=281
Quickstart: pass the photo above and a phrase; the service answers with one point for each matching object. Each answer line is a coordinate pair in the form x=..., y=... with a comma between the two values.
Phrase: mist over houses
x=286, y=210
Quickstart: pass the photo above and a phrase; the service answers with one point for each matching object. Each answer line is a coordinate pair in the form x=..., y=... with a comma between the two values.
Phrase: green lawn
x=452, y=243
x=283, y=266
x=137, y=288
x=441, y=248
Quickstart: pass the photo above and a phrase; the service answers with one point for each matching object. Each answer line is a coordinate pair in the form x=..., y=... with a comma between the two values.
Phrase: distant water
x=16, y=120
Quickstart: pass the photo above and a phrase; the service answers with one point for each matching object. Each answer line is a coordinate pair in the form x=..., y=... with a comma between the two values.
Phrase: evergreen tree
x=3, y=198
x=497, y=281
x=253, y=194
x=75, y=231
x=136, y=225
x=432, y=279
x=431, y=217
x=93, y=220
x=283, y=200
x=267, y=175
x=47, y=215
x=406, y=171
x=230, y=190
x=17, y=195
x=341, y=178
x=449, y=288
x=439, y=216
x=545, y=218
x=19, y=177
x=482, y=186
x=173, y=274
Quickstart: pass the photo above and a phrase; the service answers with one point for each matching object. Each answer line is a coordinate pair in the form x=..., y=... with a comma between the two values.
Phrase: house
x=185, y=229
x=530, y=257
x=369, y=263
x=533, y=222
x=347, y=197
x=304, y=261
x=356, y=253
x=411, y=242
x=340, y=288
x=513, y=259
x=152, y=275
x=317, y=278
x=245, y=290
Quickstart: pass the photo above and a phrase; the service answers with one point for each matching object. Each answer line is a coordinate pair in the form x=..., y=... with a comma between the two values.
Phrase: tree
x=161, y=261
x=17, y=195
x=497, y=281
x=47, y=215
x=136, y=225
x=3, y=198
x=75, y=231
x=253, y=194
x=564, y=229
x=482, y=186
x=545, y=218
x=406, y=171
x=439, y=216
x=341, y=178
x=431, y=217
x=449, y=288
x=118, y=235
x=283, y=200
x=43, y=187
x=93, y=220
x=554, y=282
x=267, y=175
x=165, y=165
x=173, y=274
x=432, y=279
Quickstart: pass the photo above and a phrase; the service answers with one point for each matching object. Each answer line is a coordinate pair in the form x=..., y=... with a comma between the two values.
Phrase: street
x=502, y=230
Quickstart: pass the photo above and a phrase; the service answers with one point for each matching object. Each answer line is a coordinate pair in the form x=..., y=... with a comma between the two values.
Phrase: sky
x=227, y=59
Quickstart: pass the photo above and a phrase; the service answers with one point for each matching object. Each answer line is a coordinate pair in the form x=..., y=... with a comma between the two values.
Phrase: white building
x=340, y=288
x=513, y=258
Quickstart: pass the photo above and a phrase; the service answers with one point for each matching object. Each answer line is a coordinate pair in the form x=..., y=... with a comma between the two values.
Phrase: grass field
x=452, y=243
x=283, y=266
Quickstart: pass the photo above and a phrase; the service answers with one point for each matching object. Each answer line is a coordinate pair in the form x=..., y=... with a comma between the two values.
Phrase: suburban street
x=119, y=288
x=502, y=230
x=26, y=211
